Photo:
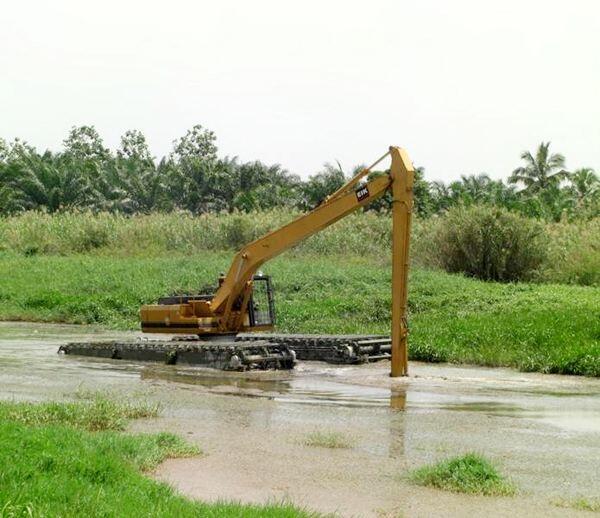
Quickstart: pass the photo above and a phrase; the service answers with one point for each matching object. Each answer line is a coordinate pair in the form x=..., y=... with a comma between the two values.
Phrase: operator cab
x=261, y=309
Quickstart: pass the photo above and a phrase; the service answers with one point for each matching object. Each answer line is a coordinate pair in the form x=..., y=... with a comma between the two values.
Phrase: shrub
x=490, y=243
x=470, y=473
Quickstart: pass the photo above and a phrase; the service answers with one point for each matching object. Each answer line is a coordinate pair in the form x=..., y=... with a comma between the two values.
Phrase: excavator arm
x=225, y=312
x=252, y=256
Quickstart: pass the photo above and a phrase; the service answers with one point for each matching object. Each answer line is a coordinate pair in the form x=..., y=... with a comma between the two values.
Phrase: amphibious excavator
x=232, y=328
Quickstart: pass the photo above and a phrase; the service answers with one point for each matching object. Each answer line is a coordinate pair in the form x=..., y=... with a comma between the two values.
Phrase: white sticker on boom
x=362, y=193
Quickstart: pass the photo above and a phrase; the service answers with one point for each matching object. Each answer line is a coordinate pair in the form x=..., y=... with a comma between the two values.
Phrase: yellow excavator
x=231, y=328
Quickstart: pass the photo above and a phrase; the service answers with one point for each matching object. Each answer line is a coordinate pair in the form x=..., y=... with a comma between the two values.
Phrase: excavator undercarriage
x=232, y=328
x=246, y=351
x=225, y=355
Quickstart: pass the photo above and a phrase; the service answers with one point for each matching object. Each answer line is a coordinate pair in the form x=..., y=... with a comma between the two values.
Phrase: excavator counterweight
x=231, y=328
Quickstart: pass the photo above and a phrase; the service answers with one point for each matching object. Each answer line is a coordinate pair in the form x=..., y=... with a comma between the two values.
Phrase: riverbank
x=531, y=327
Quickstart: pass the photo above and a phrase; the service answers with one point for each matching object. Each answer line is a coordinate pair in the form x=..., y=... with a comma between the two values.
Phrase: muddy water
x=544, y=431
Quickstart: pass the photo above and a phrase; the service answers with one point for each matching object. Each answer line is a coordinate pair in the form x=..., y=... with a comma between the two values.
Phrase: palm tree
x=47, y=181
x=476, y=187
x=132, y=185
x=584, y=183
x=10, y=200
x=440, y=196
x=541, y=172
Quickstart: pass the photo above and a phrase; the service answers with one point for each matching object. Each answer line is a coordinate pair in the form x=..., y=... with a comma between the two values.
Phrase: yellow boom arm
x=225, y=312
x=341, y=203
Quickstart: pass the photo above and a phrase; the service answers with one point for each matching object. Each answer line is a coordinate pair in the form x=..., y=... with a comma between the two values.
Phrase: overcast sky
x=464, y=86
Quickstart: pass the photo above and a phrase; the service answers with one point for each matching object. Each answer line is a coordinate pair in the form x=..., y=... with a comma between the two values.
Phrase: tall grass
x=573, y=249
x=100, y=413
x=38, y=233
x=573, y=253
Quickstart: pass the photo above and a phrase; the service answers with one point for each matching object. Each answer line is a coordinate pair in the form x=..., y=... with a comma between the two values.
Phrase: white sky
x=464, y=86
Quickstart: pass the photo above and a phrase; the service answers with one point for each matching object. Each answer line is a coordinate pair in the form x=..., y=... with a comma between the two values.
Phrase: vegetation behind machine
x=570, y=251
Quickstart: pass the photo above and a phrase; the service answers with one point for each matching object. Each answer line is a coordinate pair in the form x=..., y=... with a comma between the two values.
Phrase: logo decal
x=362, y=193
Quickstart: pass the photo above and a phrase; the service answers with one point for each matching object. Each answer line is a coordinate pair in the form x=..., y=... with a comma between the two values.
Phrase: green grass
x=98, y=414
x=323, y=439
x=581, y=503
x=532, y=327
x=52, y=465
x=471, y=474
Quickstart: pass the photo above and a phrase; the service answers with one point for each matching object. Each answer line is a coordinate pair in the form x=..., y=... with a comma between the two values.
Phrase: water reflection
x=397, y=423
x=289, y=387
x=398, y=399
x=214, y=379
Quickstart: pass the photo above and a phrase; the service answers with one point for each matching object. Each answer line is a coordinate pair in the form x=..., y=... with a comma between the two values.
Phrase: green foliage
x=237, y=232
x=547, y=328
x=197, y=144
x=55, y=183
x=322, y=185
x=490, y=243
x=87, y=175
x=572, y=249
x=584, y=184
x=585, y=192
x=540, y=172
x=194, y=178
x=471, y=473
x=134, y=147
x=33, y=233
x=55, y=469
x=4, y=150
x=85, y=144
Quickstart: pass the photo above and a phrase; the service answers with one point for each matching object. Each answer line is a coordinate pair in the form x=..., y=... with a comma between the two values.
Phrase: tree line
x=87, y=175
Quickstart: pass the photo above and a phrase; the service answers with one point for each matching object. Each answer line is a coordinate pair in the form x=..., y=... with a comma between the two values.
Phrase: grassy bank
x=52, y=464
x=547, y=328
